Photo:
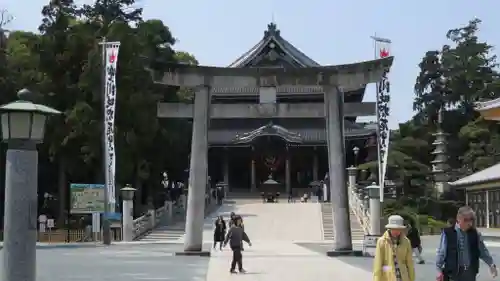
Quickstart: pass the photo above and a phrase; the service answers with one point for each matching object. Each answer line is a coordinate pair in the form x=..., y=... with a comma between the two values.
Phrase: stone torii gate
x=333, y=81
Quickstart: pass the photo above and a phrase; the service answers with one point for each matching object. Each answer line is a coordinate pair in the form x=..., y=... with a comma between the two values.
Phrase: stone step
x=163, y=236
x=357, y=232
x=173, y=231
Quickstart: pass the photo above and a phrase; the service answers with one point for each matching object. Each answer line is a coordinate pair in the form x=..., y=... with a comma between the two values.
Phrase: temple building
x=273, y=114
x=482, y=189
x=244, y=152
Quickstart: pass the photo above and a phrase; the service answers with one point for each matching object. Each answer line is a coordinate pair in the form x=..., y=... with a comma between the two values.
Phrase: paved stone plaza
x=298, y=256
x=119, y=262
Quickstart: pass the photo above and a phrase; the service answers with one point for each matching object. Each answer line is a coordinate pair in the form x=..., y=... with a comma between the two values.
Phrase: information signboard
x=87, y=198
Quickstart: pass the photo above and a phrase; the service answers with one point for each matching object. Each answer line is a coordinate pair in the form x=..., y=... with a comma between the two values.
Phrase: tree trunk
x=63, y=192
x=138, y=204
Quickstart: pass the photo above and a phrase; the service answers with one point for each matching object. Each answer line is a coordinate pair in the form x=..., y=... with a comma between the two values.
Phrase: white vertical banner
x=111, y=56
x=385, y=156
x=382, y=50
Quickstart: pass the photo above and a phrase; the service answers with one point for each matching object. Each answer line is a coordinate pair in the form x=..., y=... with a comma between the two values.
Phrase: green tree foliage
x=453, y=78
x=63, y=63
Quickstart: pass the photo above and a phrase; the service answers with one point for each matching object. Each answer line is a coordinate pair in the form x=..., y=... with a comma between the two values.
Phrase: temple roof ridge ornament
x=269, y=130
x=272, y=30
x=273, y=39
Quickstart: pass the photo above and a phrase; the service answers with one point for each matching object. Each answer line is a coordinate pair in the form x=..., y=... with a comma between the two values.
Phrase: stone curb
x=98, y=245
x=67, y=246
x=491, y=238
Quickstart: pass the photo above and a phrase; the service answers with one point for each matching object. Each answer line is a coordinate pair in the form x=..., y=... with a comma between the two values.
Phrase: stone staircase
x=357, y=232
x=166, y=233
x=327, y=221
x=173, y=230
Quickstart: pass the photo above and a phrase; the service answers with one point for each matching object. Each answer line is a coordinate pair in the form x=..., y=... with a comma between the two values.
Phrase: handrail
x=149, y=221
x=359, y=209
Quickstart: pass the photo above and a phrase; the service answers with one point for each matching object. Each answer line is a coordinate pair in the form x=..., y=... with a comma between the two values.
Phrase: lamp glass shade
x=38, y=126
x=128, y=193
x=373, y=191
x=19, y=125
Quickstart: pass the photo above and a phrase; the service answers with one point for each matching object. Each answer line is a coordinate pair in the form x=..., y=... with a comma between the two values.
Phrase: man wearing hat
x=393, y=255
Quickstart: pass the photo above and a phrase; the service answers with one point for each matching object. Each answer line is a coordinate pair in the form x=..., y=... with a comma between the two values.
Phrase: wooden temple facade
x=290, y=148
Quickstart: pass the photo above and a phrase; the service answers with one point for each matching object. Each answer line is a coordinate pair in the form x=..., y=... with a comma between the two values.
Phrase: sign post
x=50, y=224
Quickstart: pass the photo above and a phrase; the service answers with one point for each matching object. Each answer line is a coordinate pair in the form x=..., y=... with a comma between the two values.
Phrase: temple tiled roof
x=273, y=41
x=489, y=174
x=485, y=105
x=225, y=132
x=267, y=130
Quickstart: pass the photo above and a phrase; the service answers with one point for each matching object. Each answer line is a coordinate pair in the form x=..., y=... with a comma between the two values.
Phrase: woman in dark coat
x=416, y=244
x=219, y=232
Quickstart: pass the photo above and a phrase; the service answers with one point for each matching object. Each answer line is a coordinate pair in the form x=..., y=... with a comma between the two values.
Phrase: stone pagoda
x=439, y=164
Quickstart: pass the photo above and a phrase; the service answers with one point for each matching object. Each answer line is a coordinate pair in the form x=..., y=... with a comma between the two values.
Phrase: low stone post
x=127, y=213
x=359, y=192
x=374, y=195
x=152, y=218
x=352, y=173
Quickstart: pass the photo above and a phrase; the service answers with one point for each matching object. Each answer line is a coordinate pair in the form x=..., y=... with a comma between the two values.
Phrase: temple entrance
x=270, y=154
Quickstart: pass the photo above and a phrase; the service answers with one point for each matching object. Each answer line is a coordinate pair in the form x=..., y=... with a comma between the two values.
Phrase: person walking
x=220, y=194
x=416, y=244
x=290, y=196
x=393, y=255
x=460, y=248
x=232, y=219
x=235, y=237
x=219, y=232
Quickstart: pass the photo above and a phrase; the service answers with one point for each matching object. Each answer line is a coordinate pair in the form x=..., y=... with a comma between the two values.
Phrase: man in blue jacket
x=460, y=249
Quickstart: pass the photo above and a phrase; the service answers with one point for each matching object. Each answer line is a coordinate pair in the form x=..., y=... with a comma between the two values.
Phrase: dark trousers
x=237, y=258
x=464, y=274
x=220, y=243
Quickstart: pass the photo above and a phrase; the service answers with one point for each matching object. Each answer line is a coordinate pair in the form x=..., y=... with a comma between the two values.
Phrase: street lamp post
x=128, y=231
x=23, y=127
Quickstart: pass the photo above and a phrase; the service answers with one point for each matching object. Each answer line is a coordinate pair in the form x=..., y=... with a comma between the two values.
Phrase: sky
x=217, y=32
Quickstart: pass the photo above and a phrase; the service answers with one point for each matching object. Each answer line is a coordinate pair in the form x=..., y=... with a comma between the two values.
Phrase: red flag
x=382, y=47
x=384, y=53
x=112, y=57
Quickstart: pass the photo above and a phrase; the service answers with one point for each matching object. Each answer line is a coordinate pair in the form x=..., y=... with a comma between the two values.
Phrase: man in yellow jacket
x=393, y=256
